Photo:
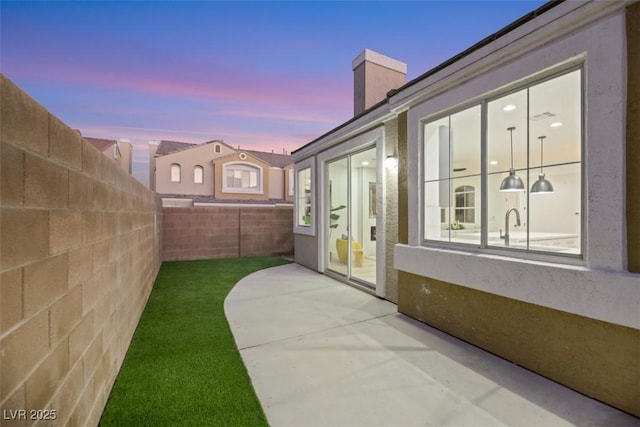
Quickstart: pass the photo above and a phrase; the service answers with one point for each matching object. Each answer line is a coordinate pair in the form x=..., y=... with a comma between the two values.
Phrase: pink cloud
x=227, y=85
x=289, y=116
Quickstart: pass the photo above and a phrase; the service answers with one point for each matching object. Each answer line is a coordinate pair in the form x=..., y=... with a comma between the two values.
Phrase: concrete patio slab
x=320, y=353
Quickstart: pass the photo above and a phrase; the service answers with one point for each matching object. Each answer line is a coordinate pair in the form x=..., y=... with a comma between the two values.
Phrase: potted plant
x=342, y=242
x=334, y=217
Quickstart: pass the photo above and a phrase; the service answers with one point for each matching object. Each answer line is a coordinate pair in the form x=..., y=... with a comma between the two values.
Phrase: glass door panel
x=363, y=212
x=351, y=215
x=337, y=217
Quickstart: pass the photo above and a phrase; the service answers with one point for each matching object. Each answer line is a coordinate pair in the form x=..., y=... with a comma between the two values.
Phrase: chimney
x=373, y=76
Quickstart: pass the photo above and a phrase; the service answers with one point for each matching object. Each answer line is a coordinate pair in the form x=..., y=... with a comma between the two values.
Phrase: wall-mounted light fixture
x=391, y=162
x=513, y=181
x=541, y=185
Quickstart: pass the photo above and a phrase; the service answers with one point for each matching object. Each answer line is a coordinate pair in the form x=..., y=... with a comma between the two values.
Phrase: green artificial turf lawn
x=183, y=367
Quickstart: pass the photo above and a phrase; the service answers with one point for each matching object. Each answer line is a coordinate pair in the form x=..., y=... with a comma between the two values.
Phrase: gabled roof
x=225, y=158
x=100, y=143
x=276, y=160
x=168, y=147
x=273, y=159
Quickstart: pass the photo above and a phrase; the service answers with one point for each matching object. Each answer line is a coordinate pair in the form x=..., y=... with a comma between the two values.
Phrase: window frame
x=465, y=192
x=530, y=170
x=246, y=165
x=172, y=168
x=437, y=117
x=195, y=169
x=291, y=183
x=310, y=229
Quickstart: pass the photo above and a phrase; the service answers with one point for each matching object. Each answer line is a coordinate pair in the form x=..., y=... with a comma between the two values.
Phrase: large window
x=531, y=175
x=242, y=178
x=175, y=172
x=303, y=197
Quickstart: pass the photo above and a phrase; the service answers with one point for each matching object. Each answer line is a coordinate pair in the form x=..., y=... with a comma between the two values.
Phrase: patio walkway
x=321, y=353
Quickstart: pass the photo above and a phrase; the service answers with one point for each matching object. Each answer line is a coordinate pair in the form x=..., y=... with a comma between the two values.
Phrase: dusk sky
x=261, y=75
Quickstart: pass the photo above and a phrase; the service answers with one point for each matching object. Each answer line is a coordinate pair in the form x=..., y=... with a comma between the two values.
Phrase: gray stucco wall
x=306, y=251
x=391, y=208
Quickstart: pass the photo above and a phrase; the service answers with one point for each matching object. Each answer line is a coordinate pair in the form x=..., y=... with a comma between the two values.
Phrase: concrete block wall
x=266, y=231
x=223, y=232
x=79, y=251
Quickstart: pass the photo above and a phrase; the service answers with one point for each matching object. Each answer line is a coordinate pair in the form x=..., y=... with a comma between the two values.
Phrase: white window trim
x=308, y=230
x=179, y=173
x=483, y=100
x=292, y=184
x=201, y=168
x=232, y=190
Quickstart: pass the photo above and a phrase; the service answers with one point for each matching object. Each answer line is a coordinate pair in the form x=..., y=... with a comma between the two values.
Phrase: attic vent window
x=216, y=148
x=243, y=156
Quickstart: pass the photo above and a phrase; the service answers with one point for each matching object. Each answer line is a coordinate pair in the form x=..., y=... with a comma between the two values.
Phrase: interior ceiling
x=553, y=101
x=366, y=159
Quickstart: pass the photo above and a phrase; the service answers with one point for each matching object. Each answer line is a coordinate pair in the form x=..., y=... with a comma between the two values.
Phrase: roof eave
x=298, y=153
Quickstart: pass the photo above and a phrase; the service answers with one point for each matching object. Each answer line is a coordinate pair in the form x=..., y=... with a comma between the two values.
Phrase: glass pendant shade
x=512, y=182
x=542, y=185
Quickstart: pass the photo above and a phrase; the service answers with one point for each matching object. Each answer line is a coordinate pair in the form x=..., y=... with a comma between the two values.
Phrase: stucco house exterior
x=495, y=196
x=186, y=174
x=119, y=151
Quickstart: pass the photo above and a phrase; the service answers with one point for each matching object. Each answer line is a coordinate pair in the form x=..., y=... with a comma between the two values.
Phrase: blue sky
x=263, y=75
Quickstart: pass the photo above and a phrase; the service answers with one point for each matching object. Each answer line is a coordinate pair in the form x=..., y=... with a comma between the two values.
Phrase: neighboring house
x=214, y=172
x=119, y=151
x=495, y=196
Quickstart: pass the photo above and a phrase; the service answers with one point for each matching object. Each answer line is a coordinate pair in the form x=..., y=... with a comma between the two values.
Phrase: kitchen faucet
x=506, y=225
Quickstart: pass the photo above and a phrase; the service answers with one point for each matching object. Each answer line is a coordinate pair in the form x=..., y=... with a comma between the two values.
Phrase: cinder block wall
x=79, y=251
x=223, y=232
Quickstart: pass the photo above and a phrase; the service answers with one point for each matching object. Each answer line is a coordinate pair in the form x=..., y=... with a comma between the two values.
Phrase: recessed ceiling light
x=365, y=163
x=494, y=162
x=509, y=107
x=556, y=125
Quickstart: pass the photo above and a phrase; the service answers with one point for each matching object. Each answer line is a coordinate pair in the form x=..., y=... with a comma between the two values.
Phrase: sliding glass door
x=351, y=217
x=338, y=216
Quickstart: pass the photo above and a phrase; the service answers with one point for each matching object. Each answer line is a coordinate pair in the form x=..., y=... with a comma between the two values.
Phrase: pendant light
x=541, y=185
x=513, y=181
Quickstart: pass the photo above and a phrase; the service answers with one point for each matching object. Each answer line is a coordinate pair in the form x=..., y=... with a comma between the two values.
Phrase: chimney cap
x=380, y=59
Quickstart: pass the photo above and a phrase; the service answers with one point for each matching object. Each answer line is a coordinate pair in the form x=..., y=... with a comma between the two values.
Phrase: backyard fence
x=223, y=232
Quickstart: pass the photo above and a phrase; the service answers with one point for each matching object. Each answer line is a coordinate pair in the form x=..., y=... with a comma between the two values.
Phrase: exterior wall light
x=391, y=162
